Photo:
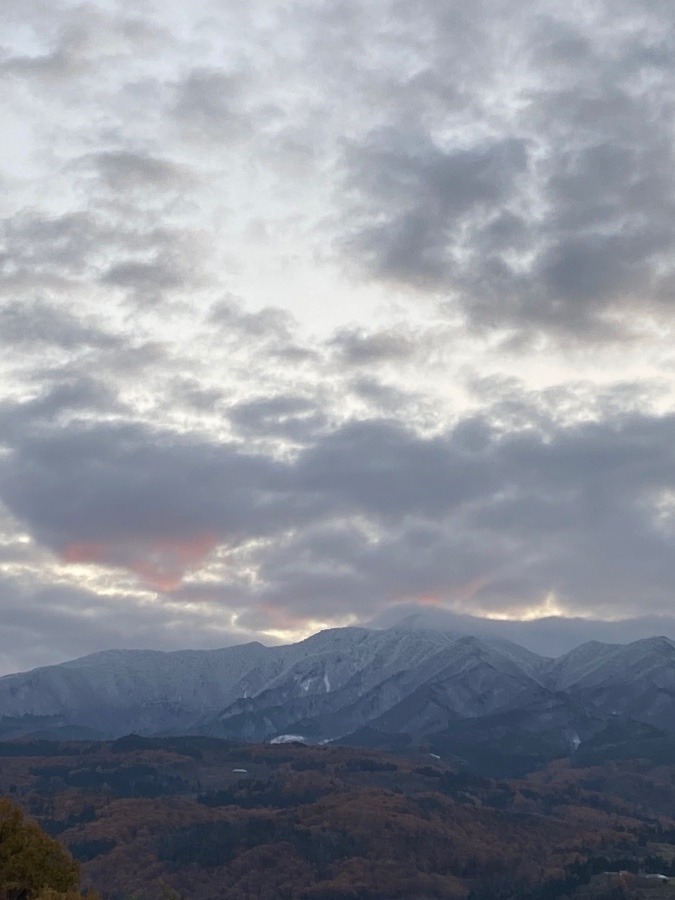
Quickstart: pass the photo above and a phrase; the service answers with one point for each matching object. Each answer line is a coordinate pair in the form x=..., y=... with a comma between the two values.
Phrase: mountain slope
x=405, y=682
x=116, y=691
x=635, y=681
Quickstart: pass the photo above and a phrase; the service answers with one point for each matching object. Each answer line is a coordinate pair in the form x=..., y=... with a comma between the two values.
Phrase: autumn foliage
x=200, y=818
x=33, y=865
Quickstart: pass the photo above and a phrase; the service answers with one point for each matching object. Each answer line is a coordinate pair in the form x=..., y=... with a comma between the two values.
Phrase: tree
x=33, y=866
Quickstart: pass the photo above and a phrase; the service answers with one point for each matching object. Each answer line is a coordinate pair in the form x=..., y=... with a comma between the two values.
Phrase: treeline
x=122, y=781
x=576, y=875
x=215, y=843
x=274, y=792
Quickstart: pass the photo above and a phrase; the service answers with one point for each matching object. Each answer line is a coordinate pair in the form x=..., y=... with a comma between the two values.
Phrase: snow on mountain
x=331, y=672
x=527, y=660
x=149, y=690
x=403, y=680
x=635, y=681
x=605, y=663
x=476, y=679
x=580, y=663
x=407, y=679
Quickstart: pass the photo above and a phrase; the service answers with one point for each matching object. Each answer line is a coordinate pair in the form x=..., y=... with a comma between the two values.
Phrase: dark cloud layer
x=552, y=212
x=369, y=513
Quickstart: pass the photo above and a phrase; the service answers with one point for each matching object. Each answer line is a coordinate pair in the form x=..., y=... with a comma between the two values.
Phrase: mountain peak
x=658, y=642
x=410, y=678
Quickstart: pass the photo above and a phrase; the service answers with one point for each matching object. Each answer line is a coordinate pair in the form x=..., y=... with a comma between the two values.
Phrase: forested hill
x=156, y=819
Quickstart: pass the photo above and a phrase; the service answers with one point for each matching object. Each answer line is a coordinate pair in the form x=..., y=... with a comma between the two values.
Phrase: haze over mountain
x=547, y=635
x=397, y=686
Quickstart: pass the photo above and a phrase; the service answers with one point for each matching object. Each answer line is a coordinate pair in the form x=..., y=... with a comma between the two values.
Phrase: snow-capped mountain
x=635, y=681
x=118, y=691
x=406, y=682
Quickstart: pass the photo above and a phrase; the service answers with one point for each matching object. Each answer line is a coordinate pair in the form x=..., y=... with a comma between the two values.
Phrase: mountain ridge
x=407, y=683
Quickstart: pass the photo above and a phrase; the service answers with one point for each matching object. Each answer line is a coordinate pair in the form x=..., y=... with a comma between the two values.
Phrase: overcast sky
x=317, y=313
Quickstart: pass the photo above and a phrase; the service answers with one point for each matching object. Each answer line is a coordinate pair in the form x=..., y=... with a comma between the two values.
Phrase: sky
x=327, y=313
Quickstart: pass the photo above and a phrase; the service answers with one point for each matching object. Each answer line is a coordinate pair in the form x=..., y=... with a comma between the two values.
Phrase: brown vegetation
x=172, y=819
x=33, y=866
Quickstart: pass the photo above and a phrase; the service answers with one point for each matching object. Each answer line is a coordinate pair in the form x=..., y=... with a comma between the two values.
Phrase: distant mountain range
x=458, y=695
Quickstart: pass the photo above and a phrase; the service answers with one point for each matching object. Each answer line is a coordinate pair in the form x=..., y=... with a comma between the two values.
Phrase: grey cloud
x=45, y=625
x=420, y=198
x=79, y=37
x=74, y=395
x=511, y=404
x=148, y=278
x=359, y=347
x=110, y=482
x=267, y=335
x=270, y=322
x=71, y=354
x=295, y=354
x=49, y=250
x=68, y=59
x=62, y=243
x=170, y=264
x=129, y=170
x=116, y=362
x=558, y=216
x=576, y=513
x=384, y=398
x=381, y=467
x=368, y=513
x=287, y=416
x=188, y=391
x=210, y=104
x=39, y=322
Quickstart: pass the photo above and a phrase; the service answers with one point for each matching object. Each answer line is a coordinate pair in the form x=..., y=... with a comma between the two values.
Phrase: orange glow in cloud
x=429, y=600
x=284, y=619
x=471, y=589
x=86, y=552
x=454, y=597
x=161, y=562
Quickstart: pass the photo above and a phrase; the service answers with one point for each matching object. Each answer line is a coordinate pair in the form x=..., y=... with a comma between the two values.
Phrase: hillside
x=201, y=817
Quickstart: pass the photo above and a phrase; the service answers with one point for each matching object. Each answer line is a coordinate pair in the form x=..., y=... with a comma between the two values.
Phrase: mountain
x=348, y=678
x=406, y=685
x=636, y=681
x=117, y=691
